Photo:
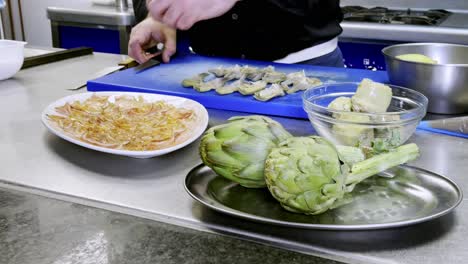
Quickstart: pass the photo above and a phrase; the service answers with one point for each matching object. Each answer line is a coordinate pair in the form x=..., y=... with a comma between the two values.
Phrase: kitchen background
x=96, y=23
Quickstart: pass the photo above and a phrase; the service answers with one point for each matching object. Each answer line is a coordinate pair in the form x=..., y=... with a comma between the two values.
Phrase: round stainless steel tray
x=411, y=196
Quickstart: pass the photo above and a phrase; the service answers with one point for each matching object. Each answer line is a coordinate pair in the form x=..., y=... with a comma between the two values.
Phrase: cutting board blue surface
x=167, y=79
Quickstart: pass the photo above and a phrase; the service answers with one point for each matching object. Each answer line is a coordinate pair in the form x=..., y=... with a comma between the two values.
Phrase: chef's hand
x=182, y=14
x=148, y=33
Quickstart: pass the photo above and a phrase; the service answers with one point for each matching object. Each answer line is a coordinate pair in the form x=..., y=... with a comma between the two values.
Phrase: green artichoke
x=237, y=150
x=306, y=176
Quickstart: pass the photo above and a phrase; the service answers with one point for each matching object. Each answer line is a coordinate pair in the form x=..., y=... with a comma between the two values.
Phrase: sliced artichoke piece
x=250, y=71
x=210, y=85
x=293, y=77
x=248, y=87
x=341, y=104
x=314, y=81
x=272, y=76
x=233, y=73
x=196, y=80
x=269, y=93
x=219, y=71
x=230, y=88
x=353, y=134
x=298, y=81
x=371, y=97
x=296, y=75
x=268, y=69
x=254, y=74
x=237, y=150
x=303, y=84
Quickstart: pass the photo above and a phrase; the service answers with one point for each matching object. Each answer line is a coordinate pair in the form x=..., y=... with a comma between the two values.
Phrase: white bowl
x=11, y=57
x=196, y=131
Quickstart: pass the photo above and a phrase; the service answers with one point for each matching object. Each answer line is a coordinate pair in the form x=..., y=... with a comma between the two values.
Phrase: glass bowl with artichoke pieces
x=369, y=115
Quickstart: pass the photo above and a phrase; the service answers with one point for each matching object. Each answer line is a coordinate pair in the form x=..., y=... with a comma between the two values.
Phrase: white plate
x=197, y=131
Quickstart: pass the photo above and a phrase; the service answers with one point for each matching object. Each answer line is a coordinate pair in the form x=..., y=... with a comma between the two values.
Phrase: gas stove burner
x=437, y=13
x=413, y=20
x=377, y=9
x=386, y=16
x=349, y=9
x=376, y=18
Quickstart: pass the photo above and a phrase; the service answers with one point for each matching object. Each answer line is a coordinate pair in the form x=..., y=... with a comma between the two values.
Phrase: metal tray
x=411, y=196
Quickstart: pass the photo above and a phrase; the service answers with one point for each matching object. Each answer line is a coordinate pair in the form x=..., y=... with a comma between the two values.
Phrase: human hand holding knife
x=154, y=56
x=151, y=38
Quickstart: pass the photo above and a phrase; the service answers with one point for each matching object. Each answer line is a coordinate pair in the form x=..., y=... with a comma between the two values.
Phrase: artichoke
x=237, y=150
x=306, y=176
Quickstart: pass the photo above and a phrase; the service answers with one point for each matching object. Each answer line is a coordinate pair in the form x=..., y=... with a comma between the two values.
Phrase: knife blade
x=156, y=51
x=147, y=65
x=456, y=126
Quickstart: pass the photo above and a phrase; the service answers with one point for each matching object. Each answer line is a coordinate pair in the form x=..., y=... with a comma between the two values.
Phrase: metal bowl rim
x=385, y=53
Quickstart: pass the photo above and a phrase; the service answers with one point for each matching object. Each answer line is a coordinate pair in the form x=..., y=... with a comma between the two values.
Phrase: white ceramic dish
x=12, y=57
x=196, y=132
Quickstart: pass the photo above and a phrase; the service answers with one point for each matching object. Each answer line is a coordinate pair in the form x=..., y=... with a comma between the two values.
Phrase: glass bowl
x=392, y=128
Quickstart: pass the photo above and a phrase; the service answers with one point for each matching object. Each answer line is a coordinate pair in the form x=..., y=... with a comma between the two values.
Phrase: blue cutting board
x=167, y=79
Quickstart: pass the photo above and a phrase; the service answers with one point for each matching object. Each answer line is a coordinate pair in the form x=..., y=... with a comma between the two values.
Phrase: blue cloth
x=2, y=4
x=332, y=59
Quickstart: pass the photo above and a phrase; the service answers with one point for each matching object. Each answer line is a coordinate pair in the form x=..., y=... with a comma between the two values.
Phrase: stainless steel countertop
x=34, y=160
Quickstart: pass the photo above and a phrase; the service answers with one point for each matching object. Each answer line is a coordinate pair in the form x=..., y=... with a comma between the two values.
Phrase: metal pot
x=445, y=84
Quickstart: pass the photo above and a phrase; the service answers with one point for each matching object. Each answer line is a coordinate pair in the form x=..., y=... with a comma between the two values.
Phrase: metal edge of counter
x=104, y=17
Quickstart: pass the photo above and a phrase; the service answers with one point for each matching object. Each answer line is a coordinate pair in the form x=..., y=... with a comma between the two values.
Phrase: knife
x=147, y=65
x=456, y=126
x=154, y=61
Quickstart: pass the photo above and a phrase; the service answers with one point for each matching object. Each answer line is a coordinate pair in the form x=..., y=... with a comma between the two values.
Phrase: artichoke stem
x=369, y=167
